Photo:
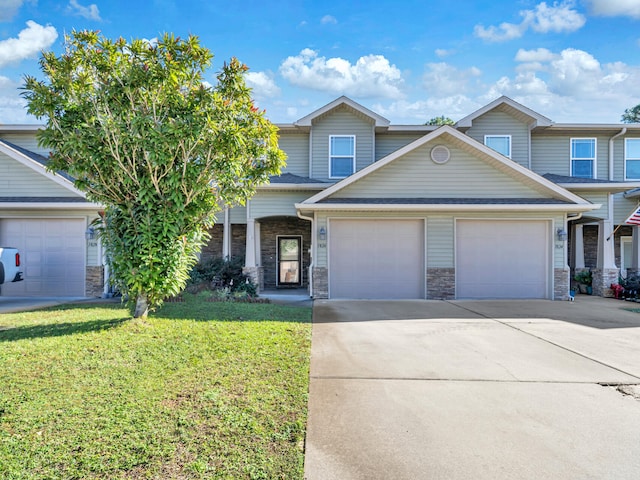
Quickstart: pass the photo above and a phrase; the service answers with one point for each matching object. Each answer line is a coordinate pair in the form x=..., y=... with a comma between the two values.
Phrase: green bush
x=222, y=274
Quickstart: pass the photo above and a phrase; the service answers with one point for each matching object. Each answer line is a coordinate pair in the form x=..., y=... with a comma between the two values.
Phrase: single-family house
x=505, y=203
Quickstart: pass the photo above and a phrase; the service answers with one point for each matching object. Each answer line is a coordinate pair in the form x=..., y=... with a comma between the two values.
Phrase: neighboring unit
x=504, y=204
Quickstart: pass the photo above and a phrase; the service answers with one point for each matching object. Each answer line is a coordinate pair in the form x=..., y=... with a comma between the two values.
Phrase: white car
x=10, y=269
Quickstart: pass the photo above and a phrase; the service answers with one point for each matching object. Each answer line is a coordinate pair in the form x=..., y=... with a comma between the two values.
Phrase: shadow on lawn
x=12, y=334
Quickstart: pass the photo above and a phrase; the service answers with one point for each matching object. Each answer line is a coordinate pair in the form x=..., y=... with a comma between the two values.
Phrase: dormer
x=505, y=126
x=341, y=139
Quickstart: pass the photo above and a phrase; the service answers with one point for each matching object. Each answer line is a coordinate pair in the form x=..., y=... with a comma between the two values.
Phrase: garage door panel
x=376, y=259
x=53, y=256
x=502, y=259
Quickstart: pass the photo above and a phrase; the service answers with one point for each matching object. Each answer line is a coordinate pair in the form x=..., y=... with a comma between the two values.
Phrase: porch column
x=634, y=269
x=251, y=266
x=606, y=272
x=578, y=247
x=226, y=235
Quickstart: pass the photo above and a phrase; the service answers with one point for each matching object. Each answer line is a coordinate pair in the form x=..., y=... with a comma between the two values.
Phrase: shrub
x=222, y=274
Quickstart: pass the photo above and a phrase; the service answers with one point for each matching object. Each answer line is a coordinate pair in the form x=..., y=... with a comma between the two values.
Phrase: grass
x=198, y=390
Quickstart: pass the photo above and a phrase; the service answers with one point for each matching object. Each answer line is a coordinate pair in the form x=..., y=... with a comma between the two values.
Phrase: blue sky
x=571, y=60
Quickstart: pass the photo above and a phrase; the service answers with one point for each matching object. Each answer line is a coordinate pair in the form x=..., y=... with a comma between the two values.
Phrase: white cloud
x=30, y=42
x=91, y=12
x=570, y=84
x=543, y=18
x=328, y=19
x=538, y=55
x=613, y=8
x=445, y=80
x=557, y=18
x=12, y=105
x=454, y=107
x=262, y=84
x=8, y=9
x=441, y=52
x=370, y=76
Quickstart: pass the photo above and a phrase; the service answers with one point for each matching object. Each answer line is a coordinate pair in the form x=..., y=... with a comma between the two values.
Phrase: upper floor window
x=583, y=157
x=632, y=158
x=342, y=155
x=500, y=143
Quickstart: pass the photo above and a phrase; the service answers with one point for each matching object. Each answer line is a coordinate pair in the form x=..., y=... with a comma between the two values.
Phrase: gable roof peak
x=536, y=118
x=378, y=120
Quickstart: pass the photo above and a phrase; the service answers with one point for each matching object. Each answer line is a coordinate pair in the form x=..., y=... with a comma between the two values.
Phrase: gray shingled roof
x=447, y=201
x=291, y=178
x=36, y=157
x=565, y=179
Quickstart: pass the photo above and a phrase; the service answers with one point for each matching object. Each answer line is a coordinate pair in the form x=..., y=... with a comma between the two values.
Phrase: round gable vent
x=440, y=154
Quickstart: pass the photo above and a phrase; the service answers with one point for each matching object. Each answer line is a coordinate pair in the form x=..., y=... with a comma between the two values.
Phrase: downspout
x=313, y=249
x=621, y=132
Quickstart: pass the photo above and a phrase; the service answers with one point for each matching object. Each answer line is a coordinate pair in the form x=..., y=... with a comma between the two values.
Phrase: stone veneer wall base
x=441, y=283
x=561, y=283
x=602, y=280
x=94, y=283
x=320, y=282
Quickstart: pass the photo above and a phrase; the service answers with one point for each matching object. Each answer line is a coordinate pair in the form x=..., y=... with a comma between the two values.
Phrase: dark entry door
x=289, y=260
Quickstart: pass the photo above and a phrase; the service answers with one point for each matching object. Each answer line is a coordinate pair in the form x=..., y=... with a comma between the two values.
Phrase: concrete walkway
x=474, y=390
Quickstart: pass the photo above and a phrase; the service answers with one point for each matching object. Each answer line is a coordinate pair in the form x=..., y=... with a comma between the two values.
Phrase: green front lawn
x=198, y=390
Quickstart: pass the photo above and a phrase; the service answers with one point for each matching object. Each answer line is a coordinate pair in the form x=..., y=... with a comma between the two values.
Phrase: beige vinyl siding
x=271, y=204
x=499, y=123
x=340, y=122
x=552, y=154
x=623, y=207
x=296, y=147
x=386, y=144
x=440, y=242
x=17, y=180
x=415, y=175
x=26, y=140
x=595, y=197
x=236, y=214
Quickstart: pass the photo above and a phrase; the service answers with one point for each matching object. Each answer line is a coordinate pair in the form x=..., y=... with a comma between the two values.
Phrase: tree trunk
x=142, y=307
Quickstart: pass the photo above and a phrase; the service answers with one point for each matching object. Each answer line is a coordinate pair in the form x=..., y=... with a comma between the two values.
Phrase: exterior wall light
x=322, y=234
x=561, y=234
x=90, y=233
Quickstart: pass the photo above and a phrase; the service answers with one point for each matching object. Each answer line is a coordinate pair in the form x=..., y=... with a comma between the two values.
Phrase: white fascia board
x=294, y=186
x=49, y=206
x=26, y=127
x=605, y=187
x=39, y=168
x=506, y=163
x=448, y=207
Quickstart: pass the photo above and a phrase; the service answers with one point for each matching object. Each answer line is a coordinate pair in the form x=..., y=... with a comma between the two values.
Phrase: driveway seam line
x=414, y=379
x=544, y=340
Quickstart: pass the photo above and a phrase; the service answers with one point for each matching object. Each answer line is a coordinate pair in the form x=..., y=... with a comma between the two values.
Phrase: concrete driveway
x=474, y=390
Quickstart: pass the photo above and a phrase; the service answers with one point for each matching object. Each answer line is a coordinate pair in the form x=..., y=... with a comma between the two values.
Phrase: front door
x=289, y=261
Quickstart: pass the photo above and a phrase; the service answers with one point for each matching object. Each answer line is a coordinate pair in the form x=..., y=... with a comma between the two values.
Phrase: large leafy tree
x=631, y=115
x=441, y=120
x=144, y=135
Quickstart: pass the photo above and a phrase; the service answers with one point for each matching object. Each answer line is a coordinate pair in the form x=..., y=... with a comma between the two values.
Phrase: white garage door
x=376, y=259
x=502, y=259
x=52, y=253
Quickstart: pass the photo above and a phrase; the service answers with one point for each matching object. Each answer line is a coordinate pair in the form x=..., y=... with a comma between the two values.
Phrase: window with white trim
x=583, y=157
x=499, y=143
x=632, y=158
x=342, y=155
